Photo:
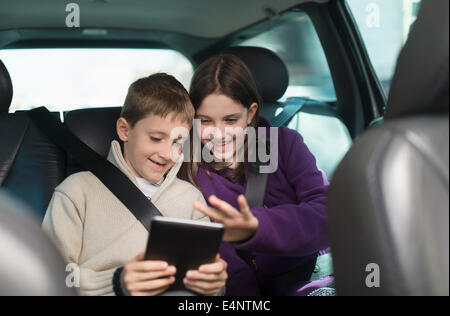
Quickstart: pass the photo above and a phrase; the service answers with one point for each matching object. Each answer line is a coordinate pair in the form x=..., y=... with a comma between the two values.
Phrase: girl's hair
x=226, y=75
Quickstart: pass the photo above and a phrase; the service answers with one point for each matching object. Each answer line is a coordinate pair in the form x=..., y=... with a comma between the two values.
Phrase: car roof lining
x=192, y=47
x=113, y=38
x=169, y=16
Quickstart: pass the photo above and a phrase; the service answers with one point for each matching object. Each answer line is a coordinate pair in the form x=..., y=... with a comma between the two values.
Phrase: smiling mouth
x=221, y=147
x=220, y=144
x=158, y=165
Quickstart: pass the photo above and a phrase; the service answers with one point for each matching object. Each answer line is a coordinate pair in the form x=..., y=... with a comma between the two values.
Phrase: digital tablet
x=185, y=244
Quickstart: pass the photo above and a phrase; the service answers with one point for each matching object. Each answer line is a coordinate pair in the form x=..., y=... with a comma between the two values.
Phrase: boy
x=95, y=231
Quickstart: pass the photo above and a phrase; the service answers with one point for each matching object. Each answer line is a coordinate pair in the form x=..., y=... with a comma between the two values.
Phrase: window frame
x=344, y=45
x=290, y=17
x=365, y=52
x=359, y=94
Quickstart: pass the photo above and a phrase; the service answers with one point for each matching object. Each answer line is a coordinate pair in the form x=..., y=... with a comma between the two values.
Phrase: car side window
x=297, y=44
x=64, y=79
x=384, y=26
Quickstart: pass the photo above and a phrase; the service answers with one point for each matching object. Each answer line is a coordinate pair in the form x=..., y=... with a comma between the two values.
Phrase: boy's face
x=153, y=145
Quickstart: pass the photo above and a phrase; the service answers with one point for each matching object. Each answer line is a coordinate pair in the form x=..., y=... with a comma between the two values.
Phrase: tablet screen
x=185, y=244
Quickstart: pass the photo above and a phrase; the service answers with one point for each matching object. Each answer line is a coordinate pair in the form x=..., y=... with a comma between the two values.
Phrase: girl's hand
x=239, y=226
x=146, y=278
x=209, y=279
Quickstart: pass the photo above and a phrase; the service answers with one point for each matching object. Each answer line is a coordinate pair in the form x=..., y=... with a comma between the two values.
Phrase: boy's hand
x=146, y=278
x=209, y=279
x=239, y=226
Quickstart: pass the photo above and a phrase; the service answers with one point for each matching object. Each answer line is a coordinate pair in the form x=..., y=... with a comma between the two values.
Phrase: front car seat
x=389, y=198
x=30, y=263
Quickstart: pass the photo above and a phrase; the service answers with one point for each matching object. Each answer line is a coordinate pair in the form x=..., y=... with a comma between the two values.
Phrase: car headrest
x=96, y=127
x=420, y=83
x=6, y=89
x=30, y=263
x=269, y=71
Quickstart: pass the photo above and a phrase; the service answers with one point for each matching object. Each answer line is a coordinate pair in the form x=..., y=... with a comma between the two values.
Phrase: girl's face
x=223, y=120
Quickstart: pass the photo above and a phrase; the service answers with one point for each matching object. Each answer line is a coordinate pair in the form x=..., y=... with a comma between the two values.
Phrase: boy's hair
x=159, y=94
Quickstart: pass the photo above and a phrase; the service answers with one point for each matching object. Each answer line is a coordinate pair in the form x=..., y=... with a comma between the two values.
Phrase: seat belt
x=111, y=176
x=279, y=285
x=257, y=182
x=292, y=107
x=255, y=191
x=323, y=267
x=256, y=187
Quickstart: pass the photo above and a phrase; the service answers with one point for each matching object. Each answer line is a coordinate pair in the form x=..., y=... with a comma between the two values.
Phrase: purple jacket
x=291, y=223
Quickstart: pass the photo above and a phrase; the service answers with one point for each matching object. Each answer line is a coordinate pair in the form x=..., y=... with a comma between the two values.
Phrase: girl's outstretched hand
x=239, y=226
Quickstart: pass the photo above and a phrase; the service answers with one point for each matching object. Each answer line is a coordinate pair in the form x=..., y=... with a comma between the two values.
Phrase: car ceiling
x=198, y=18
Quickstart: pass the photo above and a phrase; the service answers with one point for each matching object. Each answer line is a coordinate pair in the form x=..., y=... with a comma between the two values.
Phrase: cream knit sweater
x=94, y=230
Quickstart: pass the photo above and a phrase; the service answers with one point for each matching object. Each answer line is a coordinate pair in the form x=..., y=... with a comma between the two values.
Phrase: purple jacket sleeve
x=294, y=229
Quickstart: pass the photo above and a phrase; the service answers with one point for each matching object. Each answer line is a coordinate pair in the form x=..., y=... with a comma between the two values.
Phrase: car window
x=298, y=45
x=68, y=79
x=326, y=137
x=384, y=26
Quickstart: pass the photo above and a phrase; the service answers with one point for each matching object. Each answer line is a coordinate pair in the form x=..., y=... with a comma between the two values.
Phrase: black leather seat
x=269, y=72
x=30, y=263
x=30, y=165
x=389, y=198
x=95, y=127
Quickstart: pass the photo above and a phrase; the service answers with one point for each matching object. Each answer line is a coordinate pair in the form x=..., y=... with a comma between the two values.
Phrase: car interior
x=385, y=153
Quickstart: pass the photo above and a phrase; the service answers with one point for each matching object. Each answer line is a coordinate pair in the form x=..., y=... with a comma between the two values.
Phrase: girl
x=270, y=249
